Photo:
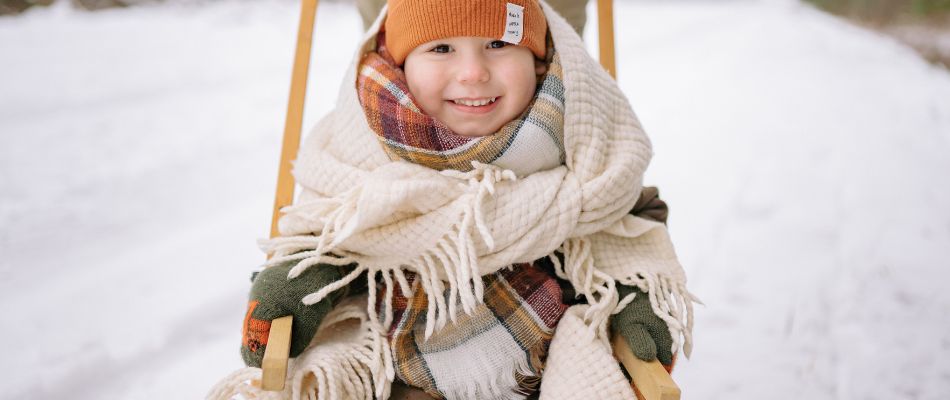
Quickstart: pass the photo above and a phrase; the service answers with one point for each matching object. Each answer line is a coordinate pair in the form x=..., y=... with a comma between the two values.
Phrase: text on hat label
x=514, y=24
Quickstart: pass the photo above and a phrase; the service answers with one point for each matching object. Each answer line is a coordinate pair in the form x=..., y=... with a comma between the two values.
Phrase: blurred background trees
x=886, y=12
x=921, y=24
x=18, y=6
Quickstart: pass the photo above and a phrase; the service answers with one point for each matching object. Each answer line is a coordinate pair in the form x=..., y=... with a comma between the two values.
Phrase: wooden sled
x=653, y=382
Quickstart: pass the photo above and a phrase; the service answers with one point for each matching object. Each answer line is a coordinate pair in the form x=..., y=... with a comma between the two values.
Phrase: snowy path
x=806, y=163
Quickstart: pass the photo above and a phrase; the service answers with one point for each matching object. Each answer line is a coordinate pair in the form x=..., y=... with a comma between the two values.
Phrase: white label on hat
x=514, y=24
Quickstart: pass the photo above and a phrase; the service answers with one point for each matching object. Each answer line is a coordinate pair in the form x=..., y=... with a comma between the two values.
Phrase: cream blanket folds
x=451, y=228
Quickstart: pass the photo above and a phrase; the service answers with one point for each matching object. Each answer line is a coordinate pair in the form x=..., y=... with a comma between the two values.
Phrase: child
x=482, y=169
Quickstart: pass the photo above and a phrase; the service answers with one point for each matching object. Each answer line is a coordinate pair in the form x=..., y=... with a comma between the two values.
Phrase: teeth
x=475, y=103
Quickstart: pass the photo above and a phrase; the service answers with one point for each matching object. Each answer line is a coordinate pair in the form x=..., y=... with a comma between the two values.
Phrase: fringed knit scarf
x=498, y=351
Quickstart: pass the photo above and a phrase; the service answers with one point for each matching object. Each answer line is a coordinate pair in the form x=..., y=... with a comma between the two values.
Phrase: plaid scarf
x=495, y=352
x=532, y=142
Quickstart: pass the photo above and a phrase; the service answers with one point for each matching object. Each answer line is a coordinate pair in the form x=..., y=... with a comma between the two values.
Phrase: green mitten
x=647, y=334
x=274, y=296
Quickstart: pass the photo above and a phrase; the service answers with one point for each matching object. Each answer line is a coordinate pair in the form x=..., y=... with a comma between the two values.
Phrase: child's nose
x=473, y=70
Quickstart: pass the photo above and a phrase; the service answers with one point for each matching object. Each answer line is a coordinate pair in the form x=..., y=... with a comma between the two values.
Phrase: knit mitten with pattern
x=273, y=296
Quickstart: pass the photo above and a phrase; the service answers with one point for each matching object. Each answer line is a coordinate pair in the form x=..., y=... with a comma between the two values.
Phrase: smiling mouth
x=475, y=102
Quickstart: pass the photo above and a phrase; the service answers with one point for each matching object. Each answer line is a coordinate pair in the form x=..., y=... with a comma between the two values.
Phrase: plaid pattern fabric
x=508, y=334
x=408, y=133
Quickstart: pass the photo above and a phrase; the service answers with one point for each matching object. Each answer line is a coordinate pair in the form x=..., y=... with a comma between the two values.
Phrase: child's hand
x=647, y=334
x=274, y=296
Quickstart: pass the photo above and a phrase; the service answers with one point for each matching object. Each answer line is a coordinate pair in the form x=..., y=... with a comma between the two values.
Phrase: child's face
x=473, y=85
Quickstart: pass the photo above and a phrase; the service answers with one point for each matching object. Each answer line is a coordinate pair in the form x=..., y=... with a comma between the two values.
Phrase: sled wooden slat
x=605, y=35
x=650, y=378
x=276, y=354
x=294, y=122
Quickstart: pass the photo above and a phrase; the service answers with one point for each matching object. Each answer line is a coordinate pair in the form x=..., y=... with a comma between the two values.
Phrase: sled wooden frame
x=653, y=382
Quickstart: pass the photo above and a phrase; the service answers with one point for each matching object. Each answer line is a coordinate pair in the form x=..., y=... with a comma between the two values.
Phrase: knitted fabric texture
x=340, y=366
x=496, y=352
x=580, y=366
x=647, y=335
x=413, y=22
x=273, y=296
x=532, y=142
x=451, y=228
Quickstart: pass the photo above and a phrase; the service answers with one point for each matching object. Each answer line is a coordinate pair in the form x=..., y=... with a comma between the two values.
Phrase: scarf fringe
x=669, y=298
x=501, y=383
x=598, y=287
x=334, y=368
x=238, y=383
x=454, y=256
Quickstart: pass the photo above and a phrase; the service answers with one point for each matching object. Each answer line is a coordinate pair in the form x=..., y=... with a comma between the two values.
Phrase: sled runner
x=653, y=382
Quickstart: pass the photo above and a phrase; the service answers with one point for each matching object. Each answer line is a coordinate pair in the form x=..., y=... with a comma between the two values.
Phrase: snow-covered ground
x=806, y=162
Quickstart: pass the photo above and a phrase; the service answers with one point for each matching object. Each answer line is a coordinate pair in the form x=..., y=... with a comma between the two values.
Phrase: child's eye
x=497, y=44
x=440, y=48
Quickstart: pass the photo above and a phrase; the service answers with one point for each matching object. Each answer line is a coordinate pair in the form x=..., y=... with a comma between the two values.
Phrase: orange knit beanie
x=410, y=23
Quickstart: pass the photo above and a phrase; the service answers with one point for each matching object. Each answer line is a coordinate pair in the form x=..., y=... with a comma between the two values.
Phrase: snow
x=805, y=161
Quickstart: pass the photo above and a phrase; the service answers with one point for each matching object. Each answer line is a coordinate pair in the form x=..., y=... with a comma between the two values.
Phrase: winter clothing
x=273, y=290
x=273, y=296
x=646, y=333
x=335, y=366
x=391, y=219
x=413, y=22
x=530, y=143
x=649, y=206
x=497, y=351
x=574, y=11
